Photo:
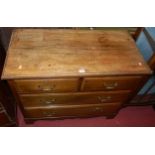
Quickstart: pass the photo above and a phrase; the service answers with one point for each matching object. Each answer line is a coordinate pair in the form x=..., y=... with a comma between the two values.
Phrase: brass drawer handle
x=110, y=85
x=47, y=89
x=50, y=101
x=48, y=114
x=50, y=88
x=47, y=102
x=98, y=109
x=104, y=99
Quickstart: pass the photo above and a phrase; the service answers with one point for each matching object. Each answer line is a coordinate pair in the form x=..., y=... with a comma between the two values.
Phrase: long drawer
x=110, y=83
x=46, y=99
x=72, y=111
x=47, y=85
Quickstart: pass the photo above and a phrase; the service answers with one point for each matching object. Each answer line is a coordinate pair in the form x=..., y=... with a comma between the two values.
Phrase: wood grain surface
x=47, y=99
x=50, y=53
x=47, y=85
x=68, y=111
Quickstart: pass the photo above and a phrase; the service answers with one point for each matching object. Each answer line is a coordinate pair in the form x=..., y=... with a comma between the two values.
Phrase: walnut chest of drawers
x=73, y=73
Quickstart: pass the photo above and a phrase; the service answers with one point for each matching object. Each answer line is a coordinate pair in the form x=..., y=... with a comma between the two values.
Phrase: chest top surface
x=47, y=53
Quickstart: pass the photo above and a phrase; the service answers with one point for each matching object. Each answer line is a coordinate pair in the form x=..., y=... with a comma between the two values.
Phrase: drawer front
x=3, y=118
x=110, y=83
x=46, y=99
x=72, y=111
x=47, y=85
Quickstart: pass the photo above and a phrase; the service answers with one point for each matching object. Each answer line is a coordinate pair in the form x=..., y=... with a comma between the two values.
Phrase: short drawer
x=46, y=99
x=72, y=111
x=47, y=85
x=110, y=83
x=3, y=118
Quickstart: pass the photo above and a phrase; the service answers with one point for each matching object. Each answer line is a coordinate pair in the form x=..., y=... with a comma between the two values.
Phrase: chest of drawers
x=73, y=73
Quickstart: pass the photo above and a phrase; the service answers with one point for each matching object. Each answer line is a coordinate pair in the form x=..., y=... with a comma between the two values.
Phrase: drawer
x=110, y=83
x=3, y=118
x=47, y=85
x=72, y=111
x=46, y=99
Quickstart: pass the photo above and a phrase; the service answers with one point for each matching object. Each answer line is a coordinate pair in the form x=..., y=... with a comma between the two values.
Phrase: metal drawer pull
x=46, y=89
x=98, y=109
x=50, y=102
x=104, y=99
x=50, y=88
x=110, y=85
x=49, y=113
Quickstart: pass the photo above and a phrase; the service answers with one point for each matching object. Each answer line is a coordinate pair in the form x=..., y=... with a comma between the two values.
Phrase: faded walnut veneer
x=73, y=73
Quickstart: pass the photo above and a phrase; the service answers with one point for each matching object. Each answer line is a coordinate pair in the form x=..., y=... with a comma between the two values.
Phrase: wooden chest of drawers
x=73, y=73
